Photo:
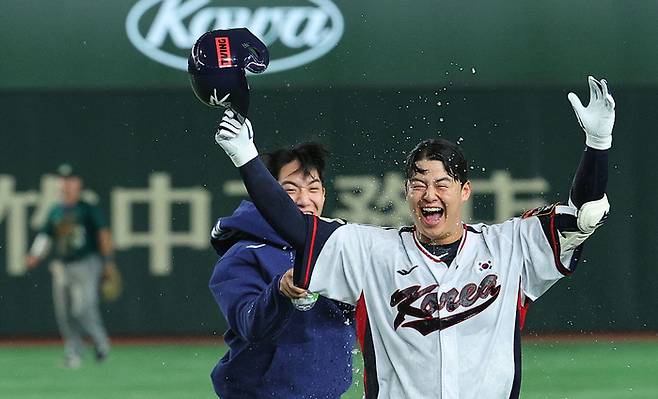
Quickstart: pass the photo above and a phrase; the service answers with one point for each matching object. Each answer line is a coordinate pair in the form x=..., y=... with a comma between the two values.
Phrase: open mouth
x=432, y=215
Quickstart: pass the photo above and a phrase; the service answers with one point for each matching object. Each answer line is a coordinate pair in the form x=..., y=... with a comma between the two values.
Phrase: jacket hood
x=245, y=223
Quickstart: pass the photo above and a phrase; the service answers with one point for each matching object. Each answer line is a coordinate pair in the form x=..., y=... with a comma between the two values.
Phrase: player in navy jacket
x=274, y=349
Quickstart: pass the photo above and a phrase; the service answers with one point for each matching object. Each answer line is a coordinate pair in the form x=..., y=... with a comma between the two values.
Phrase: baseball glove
x=112, y=284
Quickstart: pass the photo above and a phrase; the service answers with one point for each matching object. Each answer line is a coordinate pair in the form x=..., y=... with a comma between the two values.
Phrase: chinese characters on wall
x=367, y=199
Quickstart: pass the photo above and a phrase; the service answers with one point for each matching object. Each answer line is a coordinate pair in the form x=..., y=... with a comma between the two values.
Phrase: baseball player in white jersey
x=444, y=299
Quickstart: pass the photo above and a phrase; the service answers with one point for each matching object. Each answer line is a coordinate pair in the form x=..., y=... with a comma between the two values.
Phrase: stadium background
x=76, y=87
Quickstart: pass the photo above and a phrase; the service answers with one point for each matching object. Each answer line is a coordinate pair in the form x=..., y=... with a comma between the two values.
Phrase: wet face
x=71, y=189
x=435, y=200
x=306, y=190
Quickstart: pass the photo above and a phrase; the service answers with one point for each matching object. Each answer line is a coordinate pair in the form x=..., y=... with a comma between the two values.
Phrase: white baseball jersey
x=438, y=330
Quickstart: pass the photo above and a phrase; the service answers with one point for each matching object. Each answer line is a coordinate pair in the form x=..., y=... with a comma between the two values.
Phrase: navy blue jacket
x=274, y=351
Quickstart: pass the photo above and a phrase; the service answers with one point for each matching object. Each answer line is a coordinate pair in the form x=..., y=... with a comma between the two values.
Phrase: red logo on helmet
x=224, y=58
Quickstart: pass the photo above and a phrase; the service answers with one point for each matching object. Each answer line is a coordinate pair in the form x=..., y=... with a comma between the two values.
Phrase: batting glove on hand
x=236, y=138
x=598, y=117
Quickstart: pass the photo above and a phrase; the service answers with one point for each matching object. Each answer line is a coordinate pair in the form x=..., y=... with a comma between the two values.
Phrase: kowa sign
x=165, y=30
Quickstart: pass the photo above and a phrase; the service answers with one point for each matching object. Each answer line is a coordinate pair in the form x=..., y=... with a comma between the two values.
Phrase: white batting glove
x=598, y=117
x=236, y=138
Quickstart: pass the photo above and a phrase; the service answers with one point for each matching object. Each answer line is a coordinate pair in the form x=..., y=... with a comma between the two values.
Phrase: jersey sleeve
x=544, y=260
x=335, y=260
x=98, y=219
x=48, y=227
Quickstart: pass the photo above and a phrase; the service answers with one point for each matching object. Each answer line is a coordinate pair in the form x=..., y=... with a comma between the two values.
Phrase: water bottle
x=305, y=303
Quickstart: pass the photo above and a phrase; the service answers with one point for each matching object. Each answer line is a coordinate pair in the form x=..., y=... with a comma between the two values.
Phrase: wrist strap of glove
x=245, y=155
x=598, y=143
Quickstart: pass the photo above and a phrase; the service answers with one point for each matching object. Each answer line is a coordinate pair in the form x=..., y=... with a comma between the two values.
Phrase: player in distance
x=83, y=254
x=275, y=350
x=444, y=299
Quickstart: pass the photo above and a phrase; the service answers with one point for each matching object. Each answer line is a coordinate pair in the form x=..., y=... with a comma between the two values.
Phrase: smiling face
x=306, y=190
x=435, y=200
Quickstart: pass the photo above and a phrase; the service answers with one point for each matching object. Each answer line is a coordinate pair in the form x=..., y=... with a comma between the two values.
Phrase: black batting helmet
x=217, y=66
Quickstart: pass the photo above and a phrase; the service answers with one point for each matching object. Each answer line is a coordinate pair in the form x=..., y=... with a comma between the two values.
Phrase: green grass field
x=551, y=370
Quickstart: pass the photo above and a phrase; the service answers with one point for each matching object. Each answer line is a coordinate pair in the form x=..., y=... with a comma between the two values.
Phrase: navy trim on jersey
x=432, y=257
x=425, y=252
x=546, y=216
x=370, y=381
x=555, y=245
x=318, y=231
x=463, y=239
x=516, y=385
x=371, y=388
x=311, y=247
x=472, y=229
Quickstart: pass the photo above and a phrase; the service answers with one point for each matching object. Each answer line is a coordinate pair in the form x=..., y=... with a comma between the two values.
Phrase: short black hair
x=311, y=155
x=438, y=150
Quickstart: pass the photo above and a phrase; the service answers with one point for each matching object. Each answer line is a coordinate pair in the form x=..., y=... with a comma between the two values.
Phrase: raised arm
x=597, y=120
x=588, y=202
x=308, y=234
x=267, y=194
x=567, y=227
